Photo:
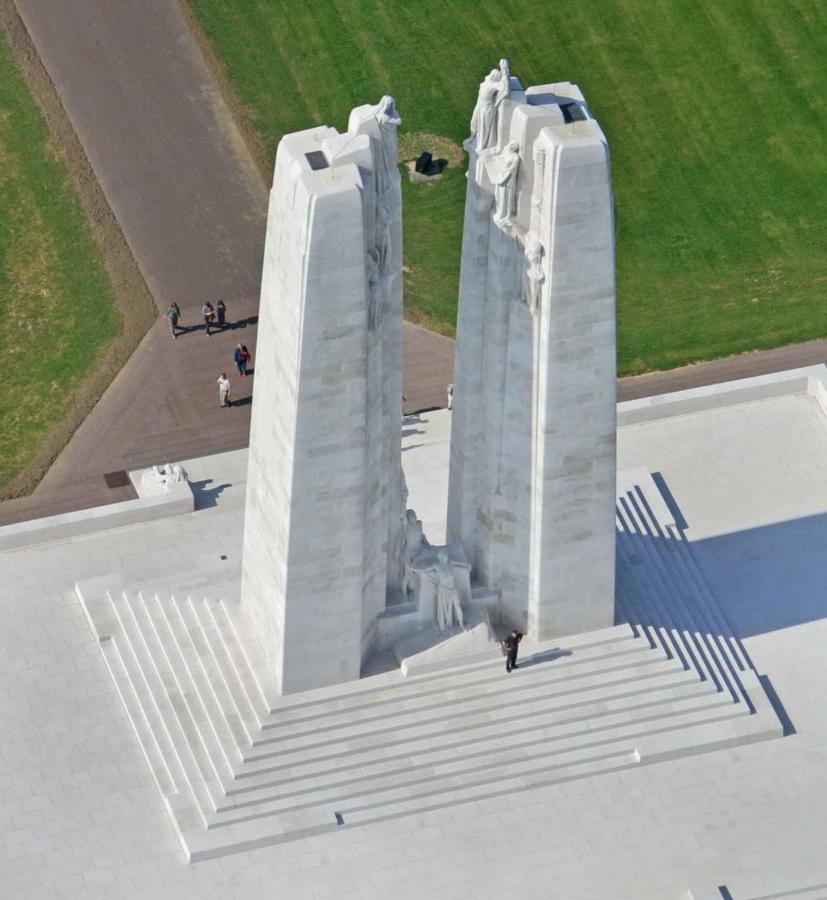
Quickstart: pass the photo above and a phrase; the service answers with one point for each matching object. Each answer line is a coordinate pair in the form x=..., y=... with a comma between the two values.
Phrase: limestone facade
x=531, y=488
x=324, y=495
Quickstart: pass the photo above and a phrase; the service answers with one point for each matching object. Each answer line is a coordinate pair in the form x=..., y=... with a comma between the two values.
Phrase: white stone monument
x=531, y=495
x=325, y=500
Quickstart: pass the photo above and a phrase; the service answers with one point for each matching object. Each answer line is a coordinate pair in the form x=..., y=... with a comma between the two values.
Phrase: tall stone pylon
x=324, y=487
x=531, y=495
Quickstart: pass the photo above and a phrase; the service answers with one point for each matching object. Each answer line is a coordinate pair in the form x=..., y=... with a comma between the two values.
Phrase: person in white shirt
x=224, y=390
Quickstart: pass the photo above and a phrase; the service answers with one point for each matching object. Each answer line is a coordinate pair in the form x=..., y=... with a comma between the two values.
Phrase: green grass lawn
x=715, y=114
x=56, y=305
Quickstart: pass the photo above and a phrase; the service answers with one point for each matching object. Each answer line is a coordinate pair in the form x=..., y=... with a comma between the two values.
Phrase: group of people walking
x=241, y=357
x=215, y=318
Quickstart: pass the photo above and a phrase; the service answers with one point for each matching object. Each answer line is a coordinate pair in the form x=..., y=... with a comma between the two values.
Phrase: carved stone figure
x=415, y=543
x=448, y=606
x=159, y=479
x=415, y=540
x=374, y=290
x=503, y=168
x=388, y=118
x=494, y=88
x=539, y=175
x=534, y=275
x=383, y=238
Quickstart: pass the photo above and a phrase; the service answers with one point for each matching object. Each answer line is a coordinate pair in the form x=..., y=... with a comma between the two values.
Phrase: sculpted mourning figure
x=415, y=542
x=448, y=606
x=374, y=291
x=383, y=238
x=388, y=118
x=534, y=276
x=503, y=170
x=494, y=88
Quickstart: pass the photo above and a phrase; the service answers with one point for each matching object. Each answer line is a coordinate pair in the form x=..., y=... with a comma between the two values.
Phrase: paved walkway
x=192, y=206
x=761, y=362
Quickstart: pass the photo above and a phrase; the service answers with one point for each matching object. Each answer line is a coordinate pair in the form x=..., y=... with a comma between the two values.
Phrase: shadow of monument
x=544, y=656
x=207, y=497
x=720, y=589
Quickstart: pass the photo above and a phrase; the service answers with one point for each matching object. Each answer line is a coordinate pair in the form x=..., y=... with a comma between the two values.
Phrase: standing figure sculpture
x=388, y=118
x=534, y=276
x=383, y=237
x=374, y=290
x=503, y=168
x=415, y=542
x=448, y=606
x=494, y=88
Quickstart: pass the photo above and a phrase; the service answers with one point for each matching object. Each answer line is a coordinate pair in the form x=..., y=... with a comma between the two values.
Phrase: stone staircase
x=239, y=767
x=661, y=592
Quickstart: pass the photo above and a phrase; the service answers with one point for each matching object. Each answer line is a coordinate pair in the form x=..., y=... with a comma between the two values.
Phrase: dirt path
x=761, y=362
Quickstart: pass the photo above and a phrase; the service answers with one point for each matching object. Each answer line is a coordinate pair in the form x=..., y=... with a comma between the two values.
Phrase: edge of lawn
x=133, y=301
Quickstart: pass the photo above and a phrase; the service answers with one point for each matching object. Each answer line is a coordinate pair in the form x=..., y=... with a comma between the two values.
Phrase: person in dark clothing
x=510, y=645
x=221, y=311
x=242, y=358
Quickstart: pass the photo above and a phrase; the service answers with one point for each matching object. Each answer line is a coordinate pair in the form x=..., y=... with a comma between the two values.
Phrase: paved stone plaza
x=81, y=816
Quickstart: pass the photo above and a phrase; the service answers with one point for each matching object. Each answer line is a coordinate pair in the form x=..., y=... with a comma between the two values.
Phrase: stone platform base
x=431, y=650
x=240, y=768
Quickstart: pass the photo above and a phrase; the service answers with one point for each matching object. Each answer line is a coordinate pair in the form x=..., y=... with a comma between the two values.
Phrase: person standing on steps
x=173, y=314
x=221, y=311
x=510, y=645
x=224, y=390
x=208, y=312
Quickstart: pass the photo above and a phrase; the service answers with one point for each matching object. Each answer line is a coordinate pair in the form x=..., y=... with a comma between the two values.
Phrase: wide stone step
x=391, y=686
x=486, y=683
x=280, y=772
x=142, y=716
x=259, y=698
x=467, y=728
x=700, y=737
x=457, y=714
x=169, y=695
x=667, y=596
x=643, y=600
x=384, y=747
x=688, y=580
x=197, y=660
x=238, y=713
x=162, y=714
x=718, y=624
x=302, y=822
x=198, y=612
x=549, y=734
x=181, y=803
x=681, y=592
x=181, y=673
